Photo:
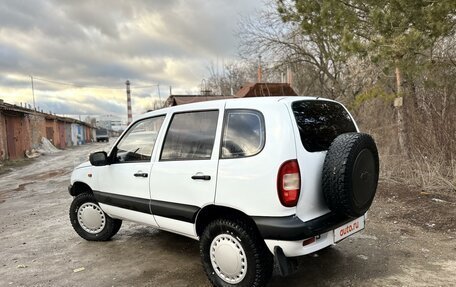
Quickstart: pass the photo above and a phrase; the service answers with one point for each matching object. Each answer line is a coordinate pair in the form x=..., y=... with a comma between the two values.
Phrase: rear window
x=320, y=122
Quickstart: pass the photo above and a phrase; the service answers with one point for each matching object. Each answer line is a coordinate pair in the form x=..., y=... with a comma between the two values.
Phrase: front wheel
x=233, y=254
x=89, y=221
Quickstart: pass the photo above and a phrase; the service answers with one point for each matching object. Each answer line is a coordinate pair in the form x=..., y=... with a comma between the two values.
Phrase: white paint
x=130, y=215
x=246, y=184
x=177, y=226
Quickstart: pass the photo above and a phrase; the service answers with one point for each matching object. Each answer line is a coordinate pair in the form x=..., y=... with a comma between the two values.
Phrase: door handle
x=140, y=174
x=202, y=177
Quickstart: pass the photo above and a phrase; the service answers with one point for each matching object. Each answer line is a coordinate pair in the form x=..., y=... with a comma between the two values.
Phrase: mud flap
x=285, y=264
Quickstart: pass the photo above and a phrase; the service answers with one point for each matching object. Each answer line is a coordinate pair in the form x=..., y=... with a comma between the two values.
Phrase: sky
x=80, y=53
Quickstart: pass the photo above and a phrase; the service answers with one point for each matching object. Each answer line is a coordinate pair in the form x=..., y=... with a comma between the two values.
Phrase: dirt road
x=410, y=240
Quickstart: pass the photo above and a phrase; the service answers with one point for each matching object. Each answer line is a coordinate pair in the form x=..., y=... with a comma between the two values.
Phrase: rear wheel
x=233, y=254
x=90, y=221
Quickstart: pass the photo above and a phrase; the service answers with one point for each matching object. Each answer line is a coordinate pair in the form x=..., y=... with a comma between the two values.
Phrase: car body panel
x=171, y=180
x=250, y=184
x=247, y=184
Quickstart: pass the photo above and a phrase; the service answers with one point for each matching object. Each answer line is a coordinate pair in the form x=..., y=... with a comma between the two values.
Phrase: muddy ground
x=410, y=240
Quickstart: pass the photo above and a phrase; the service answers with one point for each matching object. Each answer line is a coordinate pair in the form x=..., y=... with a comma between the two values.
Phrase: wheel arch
x=211, y=212
x=80, y=187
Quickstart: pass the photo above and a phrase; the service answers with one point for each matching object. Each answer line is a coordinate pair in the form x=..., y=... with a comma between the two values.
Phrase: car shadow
x=334, y=266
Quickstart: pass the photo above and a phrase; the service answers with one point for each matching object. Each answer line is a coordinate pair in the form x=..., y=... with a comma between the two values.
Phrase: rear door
x=318, y=123
x=183, y=178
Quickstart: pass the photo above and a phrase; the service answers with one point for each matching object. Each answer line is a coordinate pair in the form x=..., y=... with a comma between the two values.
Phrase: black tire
x=258, y=257
x=350, y=174
x=109, y=229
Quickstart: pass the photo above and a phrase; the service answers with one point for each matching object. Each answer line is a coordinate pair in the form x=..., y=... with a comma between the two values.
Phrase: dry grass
x=419, y=171
x=430, y=164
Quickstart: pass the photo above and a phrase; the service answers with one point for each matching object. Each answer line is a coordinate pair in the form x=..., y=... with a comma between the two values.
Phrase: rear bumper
x=328, y=233
x=291, y=228
x=295, y=248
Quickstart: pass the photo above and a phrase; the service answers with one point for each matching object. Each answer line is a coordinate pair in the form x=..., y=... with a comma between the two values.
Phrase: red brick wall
x=3, y=152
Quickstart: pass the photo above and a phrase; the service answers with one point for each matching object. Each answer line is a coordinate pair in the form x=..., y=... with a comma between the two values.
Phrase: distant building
x=22, y=129
x=111, y=122
x=248, y=90
x=265, y=90
x=175, y=100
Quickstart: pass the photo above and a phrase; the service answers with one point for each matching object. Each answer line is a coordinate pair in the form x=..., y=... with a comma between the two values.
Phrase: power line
x=57, y=82
x=144, y=87
x=90, y=87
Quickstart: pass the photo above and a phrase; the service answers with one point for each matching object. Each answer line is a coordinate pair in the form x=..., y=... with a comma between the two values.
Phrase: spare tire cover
x=350, y=174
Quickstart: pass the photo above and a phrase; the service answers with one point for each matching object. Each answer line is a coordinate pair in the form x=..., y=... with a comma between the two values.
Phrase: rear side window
x=243, y=134
x=190, y=136
x=320, y=122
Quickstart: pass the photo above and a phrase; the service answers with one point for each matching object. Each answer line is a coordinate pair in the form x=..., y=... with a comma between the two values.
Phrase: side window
x=190, y=136
x=138, y=143
x=243, y=135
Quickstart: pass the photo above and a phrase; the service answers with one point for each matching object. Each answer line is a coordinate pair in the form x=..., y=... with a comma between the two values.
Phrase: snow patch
x=46, y=147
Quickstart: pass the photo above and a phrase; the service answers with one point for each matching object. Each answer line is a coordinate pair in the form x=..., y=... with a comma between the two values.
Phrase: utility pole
x=158, y=89
x=129, y=114
x=33, y=93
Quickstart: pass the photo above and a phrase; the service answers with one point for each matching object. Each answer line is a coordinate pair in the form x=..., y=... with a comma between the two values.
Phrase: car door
x=183, y=178
x=124, y=184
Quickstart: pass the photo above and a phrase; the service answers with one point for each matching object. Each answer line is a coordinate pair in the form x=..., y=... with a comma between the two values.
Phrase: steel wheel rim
x=91, y=218
x=228, y=258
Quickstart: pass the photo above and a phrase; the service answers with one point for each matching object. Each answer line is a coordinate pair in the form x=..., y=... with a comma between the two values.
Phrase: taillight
x=289, y=183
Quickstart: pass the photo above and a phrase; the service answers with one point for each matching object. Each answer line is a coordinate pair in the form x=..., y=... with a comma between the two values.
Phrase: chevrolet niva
x=257, y=181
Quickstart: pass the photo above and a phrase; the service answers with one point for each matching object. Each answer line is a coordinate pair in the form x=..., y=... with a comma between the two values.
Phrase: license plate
x=348, y=229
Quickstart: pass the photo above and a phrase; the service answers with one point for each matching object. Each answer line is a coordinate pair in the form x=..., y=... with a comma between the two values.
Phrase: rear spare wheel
x=350, y=174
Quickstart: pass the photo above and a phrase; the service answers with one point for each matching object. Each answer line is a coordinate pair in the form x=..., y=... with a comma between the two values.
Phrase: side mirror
x=99, y=158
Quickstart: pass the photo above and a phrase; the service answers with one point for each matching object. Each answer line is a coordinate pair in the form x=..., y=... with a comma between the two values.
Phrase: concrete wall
x=37, y=129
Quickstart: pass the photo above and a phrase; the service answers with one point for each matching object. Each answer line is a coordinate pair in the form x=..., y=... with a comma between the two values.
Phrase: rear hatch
x=317, y=124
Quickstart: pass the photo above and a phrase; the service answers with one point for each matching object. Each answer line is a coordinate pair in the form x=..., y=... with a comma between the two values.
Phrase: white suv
x=255, y=180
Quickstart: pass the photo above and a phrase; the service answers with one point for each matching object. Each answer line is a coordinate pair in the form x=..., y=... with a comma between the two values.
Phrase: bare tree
x=155, y=105
x=230, y=78
x=316, y=62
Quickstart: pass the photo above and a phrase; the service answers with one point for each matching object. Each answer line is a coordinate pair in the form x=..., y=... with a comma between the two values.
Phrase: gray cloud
x=92, y=106
x=103, y=43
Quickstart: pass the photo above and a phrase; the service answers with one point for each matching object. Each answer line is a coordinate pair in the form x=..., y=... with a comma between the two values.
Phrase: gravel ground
x=409, y=240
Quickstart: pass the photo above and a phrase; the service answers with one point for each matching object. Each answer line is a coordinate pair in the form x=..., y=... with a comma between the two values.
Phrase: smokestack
x=130, y=117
